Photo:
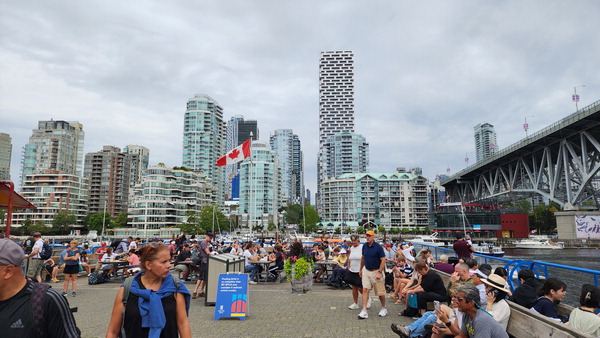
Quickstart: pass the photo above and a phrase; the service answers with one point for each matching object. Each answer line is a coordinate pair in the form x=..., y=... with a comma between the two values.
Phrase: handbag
x=80, y=268
x=412, y=300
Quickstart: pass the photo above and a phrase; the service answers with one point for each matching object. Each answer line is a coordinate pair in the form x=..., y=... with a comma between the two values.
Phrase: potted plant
x=298, y=268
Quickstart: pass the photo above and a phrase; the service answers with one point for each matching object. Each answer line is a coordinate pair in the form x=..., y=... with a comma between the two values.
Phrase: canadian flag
x=235, y=155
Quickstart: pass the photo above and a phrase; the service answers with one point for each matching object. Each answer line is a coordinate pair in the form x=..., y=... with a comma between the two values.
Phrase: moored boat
x=428, y=240
x=539, y=242
x=488, y=249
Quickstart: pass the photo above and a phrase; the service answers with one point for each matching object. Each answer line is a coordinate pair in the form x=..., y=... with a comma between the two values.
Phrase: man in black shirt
x=22, y=300
x=526, y=293
x=184, y=255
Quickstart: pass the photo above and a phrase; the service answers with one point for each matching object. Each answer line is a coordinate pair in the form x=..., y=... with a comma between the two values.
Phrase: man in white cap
x=29, y=309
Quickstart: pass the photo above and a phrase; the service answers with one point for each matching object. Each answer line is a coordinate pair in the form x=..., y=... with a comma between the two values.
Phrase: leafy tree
x=337, y=230
x=62, y=220
x=120, y=221
x=543, y=217
x=271, y=226
x=394, y=231
x=381, y=230
x=205, y=220
x=293, y=214
x=360, y=230
x=190, y=227
x=312, y=217
x=2, y=216
x=95, y=221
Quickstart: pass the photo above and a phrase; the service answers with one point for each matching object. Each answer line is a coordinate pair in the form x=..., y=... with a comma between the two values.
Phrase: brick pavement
x=273, y=311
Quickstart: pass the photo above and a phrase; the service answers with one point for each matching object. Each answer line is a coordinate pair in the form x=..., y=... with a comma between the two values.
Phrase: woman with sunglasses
x=156, y=305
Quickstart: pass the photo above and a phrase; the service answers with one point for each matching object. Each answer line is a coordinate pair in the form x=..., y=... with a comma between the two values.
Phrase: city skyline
x=424, y=73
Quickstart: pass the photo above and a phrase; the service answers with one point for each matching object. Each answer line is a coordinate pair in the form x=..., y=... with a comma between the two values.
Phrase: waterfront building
x=259, y=187
x=54, y=145
x=336, y=101
x=164, y=197
x=238, y=132
x=481, y=220
x=204, y=141
x=485, y=141
x=140, y=159
x=392, y=200
x=108, y=175
x=51, y=192
x=344, y=153
x=286, y=146
x=5, y=154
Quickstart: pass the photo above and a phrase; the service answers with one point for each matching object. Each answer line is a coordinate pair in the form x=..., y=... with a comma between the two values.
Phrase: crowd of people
x=155, y=300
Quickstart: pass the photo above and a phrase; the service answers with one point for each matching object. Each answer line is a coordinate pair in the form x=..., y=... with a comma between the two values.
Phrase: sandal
x=399, y=301
x=201, y=294
x=194, y=295
x=393, y=296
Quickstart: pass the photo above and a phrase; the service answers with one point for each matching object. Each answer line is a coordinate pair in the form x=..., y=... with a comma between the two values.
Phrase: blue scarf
x=150, y=303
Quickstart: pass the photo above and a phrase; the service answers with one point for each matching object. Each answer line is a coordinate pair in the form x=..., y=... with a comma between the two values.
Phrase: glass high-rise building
x=164, y=197
x=238, y=132
x=259, y=187
x=485, y=141
x=52, y=191
x=204, y=140
x=344, y=153
x=286, y=146
x=140, y=158
x=5, y=154
x=336, y=100
x=54, y=145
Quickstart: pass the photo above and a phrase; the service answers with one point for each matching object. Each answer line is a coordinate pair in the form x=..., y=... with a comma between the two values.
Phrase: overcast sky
x=426, y=72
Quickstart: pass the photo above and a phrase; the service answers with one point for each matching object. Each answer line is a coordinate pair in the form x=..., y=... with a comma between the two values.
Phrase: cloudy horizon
x=425, y=73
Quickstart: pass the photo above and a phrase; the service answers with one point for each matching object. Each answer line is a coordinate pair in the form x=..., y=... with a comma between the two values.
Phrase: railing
x=574, y=277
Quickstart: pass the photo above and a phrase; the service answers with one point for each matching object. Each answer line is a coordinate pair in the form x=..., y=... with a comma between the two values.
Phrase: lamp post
x=575, y=97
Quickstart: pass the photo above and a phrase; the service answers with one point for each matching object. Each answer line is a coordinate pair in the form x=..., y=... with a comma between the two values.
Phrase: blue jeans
x=253, y=269
x=418, y=327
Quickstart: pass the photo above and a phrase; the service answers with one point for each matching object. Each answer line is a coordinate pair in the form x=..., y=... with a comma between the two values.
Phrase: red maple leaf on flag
x=234, y=154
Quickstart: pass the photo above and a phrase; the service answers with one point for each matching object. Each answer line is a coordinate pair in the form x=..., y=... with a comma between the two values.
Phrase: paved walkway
x=273, y=311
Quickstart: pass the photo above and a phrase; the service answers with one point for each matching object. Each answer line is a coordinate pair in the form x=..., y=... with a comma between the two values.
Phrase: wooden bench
x=526, y=323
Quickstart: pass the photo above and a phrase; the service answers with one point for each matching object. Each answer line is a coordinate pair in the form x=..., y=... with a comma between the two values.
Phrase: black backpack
x=46, y=252
x=115, y=244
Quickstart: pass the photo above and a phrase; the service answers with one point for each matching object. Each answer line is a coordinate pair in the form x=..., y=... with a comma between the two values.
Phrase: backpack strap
x=37, y=306
x=126, y=289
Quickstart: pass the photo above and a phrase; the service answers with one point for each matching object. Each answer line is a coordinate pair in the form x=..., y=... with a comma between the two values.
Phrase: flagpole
x=250, y=195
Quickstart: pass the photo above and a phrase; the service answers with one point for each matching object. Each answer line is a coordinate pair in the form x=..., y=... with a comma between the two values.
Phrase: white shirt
x=133, y=245
x=247, y=255
x=501, y=313
x=40, y=245
x=355, y=257
x=407, y=253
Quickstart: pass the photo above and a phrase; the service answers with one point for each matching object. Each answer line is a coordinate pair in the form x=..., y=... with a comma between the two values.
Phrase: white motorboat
x=431, y=240
x=539, y=242
x=488, y=249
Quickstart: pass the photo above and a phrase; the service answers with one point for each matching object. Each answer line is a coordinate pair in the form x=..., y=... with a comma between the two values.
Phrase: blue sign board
x=476, y=226
x=232, y=296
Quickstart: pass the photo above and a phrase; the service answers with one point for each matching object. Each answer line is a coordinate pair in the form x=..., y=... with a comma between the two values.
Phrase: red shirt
x=462, y=249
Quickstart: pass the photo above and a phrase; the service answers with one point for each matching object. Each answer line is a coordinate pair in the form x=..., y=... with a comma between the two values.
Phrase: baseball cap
x=10, y=253
x=370, y=233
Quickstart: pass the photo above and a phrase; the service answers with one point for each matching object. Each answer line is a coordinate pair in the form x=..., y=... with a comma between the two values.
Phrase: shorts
x=71, y=269
x=182, y=267
x=202, y=274
x=35, y=268
x=368, y=278
x=353, y=278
